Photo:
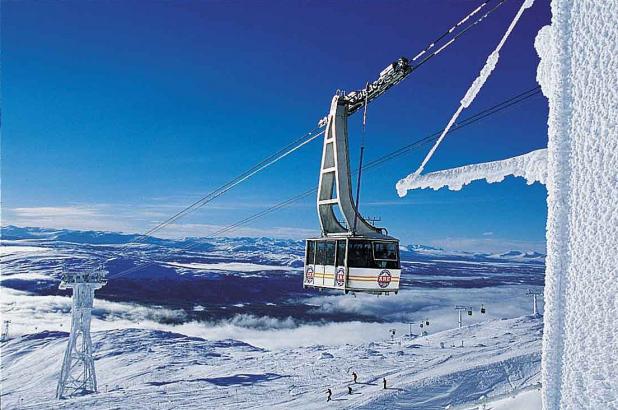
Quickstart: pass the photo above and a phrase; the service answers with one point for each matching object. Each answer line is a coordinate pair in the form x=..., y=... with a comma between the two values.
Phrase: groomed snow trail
x=531, y=166
x=153, y=369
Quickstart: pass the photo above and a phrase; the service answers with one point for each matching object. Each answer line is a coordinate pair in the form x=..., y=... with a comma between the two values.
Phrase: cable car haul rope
x=406, y=149
x=352, y=254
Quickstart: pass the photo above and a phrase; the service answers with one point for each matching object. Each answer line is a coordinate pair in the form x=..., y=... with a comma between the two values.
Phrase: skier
x=330, y=393
x=384, y=382
x=354, y=376
x=349, y=389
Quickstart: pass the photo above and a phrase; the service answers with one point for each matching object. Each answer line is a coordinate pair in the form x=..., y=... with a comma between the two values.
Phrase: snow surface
x=529, y=400
x=531, y=166
x=267, y=309
x=172, y=371
x=577, y=73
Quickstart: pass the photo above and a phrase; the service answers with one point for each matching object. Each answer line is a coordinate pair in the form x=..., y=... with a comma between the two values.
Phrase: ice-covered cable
x=470, y=95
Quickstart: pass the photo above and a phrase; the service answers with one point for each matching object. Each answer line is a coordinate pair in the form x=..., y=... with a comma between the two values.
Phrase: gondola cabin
x=351, y=254
x=353, y=264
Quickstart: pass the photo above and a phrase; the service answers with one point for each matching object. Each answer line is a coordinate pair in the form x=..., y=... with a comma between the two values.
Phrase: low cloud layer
x=436, y=305
x=29, y=314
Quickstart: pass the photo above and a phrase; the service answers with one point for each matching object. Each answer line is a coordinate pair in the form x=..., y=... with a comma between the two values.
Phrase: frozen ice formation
x=489, y=66
x=476, y=85
x=577, y=73
x=531, y=166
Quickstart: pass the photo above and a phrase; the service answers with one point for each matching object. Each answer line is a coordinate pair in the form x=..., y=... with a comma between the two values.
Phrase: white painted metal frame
x=335, y=188
x=77, y=376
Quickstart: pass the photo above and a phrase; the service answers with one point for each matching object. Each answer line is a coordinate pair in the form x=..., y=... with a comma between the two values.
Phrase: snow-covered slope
x=163, y=333
x=139, y=368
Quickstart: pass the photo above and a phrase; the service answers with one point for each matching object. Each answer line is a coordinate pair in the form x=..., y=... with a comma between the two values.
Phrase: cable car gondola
x=351, y=254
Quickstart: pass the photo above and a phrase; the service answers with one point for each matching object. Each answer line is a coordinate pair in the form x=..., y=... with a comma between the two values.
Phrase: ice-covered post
x=577, y=73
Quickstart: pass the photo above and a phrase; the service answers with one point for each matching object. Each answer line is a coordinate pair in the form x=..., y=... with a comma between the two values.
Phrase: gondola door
x=320, y=261
x=341, y=270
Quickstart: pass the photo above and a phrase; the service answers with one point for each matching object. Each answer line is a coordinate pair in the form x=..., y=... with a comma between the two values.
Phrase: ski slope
x=139, y=368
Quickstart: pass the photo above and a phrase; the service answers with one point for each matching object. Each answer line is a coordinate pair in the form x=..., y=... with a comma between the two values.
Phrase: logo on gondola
x=384, y=278
x=309, y=275
x=340, y=277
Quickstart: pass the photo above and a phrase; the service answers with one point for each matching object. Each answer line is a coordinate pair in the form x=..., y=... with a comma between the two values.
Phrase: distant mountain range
x=237, y=244
x=213, y=279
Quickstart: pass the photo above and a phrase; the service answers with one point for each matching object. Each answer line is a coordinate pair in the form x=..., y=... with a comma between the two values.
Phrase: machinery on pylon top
x=351, y=254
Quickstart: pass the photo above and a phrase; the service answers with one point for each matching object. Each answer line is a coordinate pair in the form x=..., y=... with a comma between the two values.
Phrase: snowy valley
x=228, y=323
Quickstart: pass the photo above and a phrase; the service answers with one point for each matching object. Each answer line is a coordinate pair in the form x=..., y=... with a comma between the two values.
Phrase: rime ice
x=531, y=166
x=577, y=73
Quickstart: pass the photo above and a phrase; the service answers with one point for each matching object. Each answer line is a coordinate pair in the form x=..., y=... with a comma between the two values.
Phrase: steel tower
x=77, y=376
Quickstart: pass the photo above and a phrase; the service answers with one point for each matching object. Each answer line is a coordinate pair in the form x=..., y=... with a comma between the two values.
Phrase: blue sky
x=118, y=114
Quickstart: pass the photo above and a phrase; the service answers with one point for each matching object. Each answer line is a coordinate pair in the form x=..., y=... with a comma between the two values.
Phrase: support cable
x=282, y=153
x=456, y=36
x=360, y=164
x=370, y=165
x=311, y=135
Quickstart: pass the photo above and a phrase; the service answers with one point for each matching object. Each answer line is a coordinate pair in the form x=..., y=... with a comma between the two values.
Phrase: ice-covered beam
x=531, y=166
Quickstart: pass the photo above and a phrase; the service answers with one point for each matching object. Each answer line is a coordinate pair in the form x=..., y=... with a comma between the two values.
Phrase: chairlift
x=427, y=322
x=482, y=309
x=469, y=312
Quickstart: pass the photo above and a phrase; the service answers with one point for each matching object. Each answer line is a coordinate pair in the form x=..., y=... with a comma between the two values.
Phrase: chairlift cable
x=456, y=36
x=282, y=153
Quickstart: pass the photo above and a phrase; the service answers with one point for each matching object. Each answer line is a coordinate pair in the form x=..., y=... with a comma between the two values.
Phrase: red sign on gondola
x=384, y=278
x=309, y=275
x=340, y=277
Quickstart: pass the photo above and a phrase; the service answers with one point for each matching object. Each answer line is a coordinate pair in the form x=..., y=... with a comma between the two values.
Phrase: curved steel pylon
x=335, y=187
